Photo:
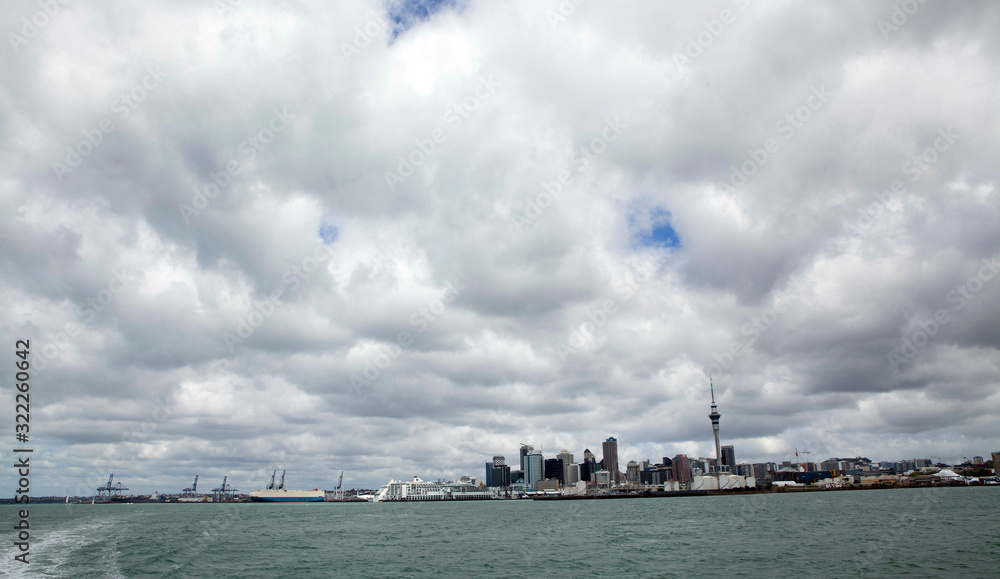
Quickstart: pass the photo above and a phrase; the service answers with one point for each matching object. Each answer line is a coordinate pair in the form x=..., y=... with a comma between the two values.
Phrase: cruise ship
x=420, y=490
x=279, y=494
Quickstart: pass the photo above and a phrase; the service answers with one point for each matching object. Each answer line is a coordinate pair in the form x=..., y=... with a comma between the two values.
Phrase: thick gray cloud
x=256, y=235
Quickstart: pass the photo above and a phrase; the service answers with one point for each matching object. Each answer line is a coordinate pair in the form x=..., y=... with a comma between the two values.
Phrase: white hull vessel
x=420, y=490
x=286, y=496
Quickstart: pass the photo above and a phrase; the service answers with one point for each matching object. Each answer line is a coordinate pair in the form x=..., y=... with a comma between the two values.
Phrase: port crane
x=281, y=485
x=193, y=488
x=113, y=491
x=106, y=488
x=224, y=492
x=338, y=493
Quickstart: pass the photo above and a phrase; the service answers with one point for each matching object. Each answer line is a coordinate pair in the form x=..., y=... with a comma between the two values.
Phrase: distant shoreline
x=637, y=495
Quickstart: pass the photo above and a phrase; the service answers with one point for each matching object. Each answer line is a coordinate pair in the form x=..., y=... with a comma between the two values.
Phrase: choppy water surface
x=867, y=533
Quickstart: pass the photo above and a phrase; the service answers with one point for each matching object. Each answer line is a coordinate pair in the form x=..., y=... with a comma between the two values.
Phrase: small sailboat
x=67, y=499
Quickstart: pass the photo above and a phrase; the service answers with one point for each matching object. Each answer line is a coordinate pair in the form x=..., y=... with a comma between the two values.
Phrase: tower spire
x=714, y=416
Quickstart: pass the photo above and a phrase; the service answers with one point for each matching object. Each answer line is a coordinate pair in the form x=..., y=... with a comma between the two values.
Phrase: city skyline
x=395, y=237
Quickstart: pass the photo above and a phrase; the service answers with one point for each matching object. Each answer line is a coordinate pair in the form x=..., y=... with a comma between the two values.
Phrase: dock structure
x=191, y=490
x=108, y=491
x=225, y=492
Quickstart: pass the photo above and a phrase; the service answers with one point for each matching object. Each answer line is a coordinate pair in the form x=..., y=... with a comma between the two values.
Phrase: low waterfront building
x=721, y=481
x=547, y=485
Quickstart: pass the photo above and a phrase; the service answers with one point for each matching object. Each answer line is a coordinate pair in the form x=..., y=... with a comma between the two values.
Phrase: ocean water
x=935, y=532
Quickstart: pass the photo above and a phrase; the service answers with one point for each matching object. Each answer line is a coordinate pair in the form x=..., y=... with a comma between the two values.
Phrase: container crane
x=224, y=492
x=193, y=488
x=106, y=487
x=339, y=491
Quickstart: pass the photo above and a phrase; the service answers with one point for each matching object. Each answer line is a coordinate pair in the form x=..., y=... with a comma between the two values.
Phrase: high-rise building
x=588, y=467
x=682, y=468
x=534, y=469
x=655, y=474
x=525, y=449
x=499, y=476
x=554, y=469
x=632, y=471
x=728, y=458
x=491, y=468
x=715, y=423
x=572, y=474
x=611, y=459
x=567, y=458
x=762, y=470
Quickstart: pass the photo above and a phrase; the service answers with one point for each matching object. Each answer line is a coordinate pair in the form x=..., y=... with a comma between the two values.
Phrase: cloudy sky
x=396, y=239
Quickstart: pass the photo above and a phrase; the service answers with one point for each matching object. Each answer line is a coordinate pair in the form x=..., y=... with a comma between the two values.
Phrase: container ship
x=279, y=494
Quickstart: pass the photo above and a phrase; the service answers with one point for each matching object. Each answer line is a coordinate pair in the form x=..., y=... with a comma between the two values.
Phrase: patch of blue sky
x=407, y=13
x=653, y=229
x=328, y=232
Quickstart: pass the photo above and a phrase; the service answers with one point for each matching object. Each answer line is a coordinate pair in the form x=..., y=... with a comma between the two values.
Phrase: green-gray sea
x=919, y=532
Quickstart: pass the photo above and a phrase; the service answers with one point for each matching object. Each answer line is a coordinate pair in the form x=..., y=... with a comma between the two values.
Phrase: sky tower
x=715, y=424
